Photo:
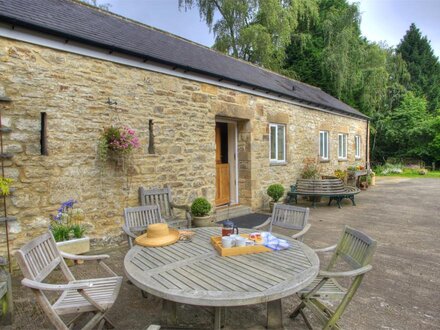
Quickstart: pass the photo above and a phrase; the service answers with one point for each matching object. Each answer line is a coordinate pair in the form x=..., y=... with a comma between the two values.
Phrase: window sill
x=358, y=158
x=324, y=160
x=278, y=163
x=342, y=160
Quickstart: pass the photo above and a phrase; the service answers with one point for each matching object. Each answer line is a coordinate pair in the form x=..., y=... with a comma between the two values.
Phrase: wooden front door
x=222, y=195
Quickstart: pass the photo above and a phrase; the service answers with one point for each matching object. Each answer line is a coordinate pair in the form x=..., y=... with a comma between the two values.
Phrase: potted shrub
x=373, y=178
x=364, y=181
x=200, y=209
x=67, y=229
x=275, y=191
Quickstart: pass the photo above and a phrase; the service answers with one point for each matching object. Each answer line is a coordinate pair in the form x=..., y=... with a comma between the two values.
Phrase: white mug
x=240, y=241
x=227, y=242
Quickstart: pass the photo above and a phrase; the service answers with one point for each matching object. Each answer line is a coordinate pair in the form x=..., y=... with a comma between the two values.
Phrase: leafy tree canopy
x=423, y=66
x=257, y=31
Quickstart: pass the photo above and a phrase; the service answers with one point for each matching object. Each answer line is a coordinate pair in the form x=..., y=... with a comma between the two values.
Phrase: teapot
x=228, y=228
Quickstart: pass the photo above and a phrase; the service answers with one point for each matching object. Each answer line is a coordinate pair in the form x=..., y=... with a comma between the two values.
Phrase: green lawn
x=413, y=174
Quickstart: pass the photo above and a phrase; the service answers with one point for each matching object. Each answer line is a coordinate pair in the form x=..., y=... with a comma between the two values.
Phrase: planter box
x=203, y=221
x=75, y=246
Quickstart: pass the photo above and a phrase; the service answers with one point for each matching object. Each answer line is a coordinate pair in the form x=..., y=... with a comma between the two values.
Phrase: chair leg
x=68, y=324
x=297, y=310
x=101, y=324
x=94, y=321
x=110, y=324
x=306, y=321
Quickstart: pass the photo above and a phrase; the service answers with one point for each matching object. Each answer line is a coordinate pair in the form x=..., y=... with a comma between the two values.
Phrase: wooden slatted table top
x=194, y=273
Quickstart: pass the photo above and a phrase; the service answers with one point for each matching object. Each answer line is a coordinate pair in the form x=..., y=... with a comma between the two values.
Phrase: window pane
x=273, y=139
x=326, y=145
x=345, y=146
x=358, y=146
x=281, y=143
x=321, y=144
x=339, y=145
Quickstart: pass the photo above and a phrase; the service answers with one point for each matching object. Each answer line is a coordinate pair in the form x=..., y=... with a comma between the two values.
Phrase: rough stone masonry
x=74, y=90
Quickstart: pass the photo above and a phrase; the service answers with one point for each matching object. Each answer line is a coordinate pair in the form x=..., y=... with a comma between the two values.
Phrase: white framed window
x=342, y=146
x=277, y=143
x=357, y=147
x=323, y=145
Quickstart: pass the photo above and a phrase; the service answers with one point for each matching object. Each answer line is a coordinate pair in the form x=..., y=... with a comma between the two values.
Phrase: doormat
x=248, y=220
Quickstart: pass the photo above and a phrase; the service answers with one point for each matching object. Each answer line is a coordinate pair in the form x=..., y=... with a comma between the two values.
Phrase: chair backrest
x=289, y=217
x=38, y=258
x=138, y=218
x=355, y=248
x=161, y=197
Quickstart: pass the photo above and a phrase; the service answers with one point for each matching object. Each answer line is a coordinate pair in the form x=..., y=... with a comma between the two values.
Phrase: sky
x=382, y=20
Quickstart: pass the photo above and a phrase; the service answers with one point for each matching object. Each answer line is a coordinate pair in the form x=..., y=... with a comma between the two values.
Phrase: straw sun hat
x=158, y=234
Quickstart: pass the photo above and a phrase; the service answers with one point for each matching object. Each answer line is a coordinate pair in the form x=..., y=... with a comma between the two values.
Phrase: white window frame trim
x=327, y=145
x=357, y=147
x=276, y=161
x=344, y=146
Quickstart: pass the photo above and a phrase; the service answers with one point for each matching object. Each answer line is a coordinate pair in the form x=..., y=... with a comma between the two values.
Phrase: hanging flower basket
x=116, y=143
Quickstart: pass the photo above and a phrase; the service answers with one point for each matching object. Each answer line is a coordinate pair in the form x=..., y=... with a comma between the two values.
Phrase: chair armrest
x=302, y=232
x=350, y=273
x=327, y=249
x=264, y=224
x=182, y=207
x=79, y=257
x=98, y=258
x=128, y=232
x=55, y=287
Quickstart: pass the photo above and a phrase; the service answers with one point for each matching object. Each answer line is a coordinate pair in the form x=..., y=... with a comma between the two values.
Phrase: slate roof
x=74, y=21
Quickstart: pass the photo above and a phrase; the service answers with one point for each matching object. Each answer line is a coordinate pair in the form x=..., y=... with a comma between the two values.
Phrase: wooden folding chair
x=288, y=217
x=164, y=198
x=356, y=249
x=40, y=257
x=137, y=219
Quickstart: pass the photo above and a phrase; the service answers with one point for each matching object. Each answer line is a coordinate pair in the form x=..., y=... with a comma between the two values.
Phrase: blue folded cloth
x=273, y=242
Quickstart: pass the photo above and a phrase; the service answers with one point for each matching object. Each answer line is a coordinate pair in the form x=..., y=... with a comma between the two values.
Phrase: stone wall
x=73, y=91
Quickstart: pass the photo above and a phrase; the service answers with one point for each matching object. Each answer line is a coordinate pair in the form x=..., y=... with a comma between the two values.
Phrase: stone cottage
x=209, y=125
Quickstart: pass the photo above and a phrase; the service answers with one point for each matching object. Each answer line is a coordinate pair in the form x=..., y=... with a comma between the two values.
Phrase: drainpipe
x=367, y=147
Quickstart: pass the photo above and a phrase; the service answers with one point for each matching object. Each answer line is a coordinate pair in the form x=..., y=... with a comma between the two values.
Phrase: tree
x=423, y=66
x=257, y=31
x=410, y=131
x=103, y=6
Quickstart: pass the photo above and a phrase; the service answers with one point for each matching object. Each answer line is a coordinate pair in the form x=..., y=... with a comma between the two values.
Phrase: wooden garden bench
x=334, y=189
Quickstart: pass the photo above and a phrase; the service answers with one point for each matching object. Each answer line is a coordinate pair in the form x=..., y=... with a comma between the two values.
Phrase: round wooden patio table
x=194, y=273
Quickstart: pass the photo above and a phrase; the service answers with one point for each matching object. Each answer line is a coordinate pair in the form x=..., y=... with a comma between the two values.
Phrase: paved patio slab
x=402, y=291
